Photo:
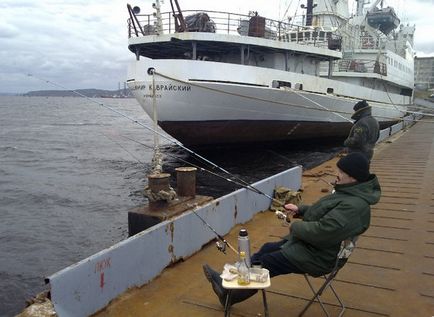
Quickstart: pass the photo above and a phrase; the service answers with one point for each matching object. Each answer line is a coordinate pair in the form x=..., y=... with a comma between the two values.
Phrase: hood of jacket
x=369, y=191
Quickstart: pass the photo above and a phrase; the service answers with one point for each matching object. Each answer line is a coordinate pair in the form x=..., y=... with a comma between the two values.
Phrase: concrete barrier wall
x=89, y=285
x=407, y=121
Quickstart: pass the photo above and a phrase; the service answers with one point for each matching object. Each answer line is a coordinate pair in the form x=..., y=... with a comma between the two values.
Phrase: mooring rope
x=321, y=108
x=157, y=159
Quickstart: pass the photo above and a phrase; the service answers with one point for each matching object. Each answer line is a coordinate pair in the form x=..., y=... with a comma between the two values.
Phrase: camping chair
x=344, y=253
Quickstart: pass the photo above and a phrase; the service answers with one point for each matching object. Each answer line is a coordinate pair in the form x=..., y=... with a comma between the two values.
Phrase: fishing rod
x=222, y=243
x=247, y=186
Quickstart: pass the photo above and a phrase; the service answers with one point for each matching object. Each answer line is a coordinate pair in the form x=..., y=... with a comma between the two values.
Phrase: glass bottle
x=243, y=270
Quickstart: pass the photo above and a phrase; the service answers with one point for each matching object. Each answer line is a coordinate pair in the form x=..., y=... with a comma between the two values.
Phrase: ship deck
x=391, y=272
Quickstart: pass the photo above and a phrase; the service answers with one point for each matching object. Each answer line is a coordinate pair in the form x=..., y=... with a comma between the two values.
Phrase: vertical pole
x=330, y=68
x=157, y=166
x=194, y=48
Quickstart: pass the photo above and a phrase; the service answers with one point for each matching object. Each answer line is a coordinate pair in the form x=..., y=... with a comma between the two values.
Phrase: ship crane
x=180, y=25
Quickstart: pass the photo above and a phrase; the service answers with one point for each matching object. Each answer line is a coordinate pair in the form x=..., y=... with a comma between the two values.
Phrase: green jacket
x=313, y=244
x=364, y=133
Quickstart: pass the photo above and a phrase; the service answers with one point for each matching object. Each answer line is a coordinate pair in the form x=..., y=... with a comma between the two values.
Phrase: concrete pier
x=391, y=272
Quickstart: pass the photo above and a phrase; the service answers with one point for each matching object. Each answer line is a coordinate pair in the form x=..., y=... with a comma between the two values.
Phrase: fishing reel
x=221, y=246
x=284, y=217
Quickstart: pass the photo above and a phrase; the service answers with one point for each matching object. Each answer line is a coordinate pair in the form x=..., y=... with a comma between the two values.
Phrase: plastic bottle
x=244, y=245
x=243, y=270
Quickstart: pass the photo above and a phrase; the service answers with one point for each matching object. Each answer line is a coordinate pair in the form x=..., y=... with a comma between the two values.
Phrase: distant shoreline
x=91, y=93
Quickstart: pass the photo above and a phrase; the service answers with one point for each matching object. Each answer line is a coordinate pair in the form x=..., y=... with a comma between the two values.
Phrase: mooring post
x=157, y=183
x=186, y=181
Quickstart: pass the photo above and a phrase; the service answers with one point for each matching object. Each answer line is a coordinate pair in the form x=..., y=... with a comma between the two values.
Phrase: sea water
x=71, y=169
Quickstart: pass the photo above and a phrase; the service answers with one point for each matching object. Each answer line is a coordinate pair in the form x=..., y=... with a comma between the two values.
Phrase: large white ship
x=212, y=77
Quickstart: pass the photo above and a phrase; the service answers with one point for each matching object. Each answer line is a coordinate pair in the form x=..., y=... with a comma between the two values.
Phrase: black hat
x=360, y=105
x=356, y=165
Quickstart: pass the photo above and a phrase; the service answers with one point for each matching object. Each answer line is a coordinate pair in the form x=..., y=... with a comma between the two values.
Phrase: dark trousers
x=272, y=259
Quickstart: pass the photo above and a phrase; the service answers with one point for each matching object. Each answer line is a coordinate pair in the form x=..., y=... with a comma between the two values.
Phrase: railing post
x=229, y=22
x=279, y=26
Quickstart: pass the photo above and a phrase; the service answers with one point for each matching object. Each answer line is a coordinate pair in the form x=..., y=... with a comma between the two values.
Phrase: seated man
x=312, y=245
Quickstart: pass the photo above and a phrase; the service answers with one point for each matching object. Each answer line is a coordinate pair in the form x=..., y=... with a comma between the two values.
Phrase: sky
x=83, y=43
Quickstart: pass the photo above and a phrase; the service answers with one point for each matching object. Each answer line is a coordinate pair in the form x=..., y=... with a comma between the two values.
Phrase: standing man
x=312, y=245
x=365, y=131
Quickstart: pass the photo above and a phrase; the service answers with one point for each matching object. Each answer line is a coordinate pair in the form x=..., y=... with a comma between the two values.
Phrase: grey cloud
x=8, y=30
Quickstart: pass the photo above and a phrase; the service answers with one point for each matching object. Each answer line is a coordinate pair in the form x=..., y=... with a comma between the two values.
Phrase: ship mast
x=309, y=11
x=157, y=14
x=360, y=5
x=180, y=25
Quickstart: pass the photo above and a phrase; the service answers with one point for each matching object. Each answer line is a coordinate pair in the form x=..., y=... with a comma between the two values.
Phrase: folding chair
x=347, y=247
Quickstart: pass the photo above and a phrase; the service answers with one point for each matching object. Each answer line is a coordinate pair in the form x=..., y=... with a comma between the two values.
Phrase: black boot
x=240, y=295
x=216, y=281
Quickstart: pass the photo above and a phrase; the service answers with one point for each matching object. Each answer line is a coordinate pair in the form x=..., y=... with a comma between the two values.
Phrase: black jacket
x=364, y=133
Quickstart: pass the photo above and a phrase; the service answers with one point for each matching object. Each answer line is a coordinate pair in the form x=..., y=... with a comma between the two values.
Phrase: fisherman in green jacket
x=365, y=131
x=312, y=245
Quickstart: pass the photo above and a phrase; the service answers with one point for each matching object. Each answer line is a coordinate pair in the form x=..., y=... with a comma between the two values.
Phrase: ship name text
x=161, y=87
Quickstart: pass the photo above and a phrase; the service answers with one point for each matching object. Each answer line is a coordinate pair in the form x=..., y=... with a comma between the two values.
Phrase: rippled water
x=69, y=173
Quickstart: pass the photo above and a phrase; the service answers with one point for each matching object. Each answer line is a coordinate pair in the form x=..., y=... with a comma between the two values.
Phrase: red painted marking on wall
x=100, y=266
x=101, y=280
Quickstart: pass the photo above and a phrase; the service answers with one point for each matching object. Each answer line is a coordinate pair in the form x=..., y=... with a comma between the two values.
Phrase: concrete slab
x=391, y=273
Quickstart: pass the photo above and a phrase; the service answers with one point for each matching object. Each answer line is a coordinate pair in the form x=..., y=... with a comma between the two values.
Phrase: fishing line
x=247, y=186
x=243, y=184
x=133, y=120
x=123, y=148
x=222, y=243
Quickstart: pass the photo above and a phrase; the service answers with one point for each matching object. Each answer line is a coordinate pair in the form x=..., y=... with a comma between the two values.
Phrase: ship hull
x=201, y=103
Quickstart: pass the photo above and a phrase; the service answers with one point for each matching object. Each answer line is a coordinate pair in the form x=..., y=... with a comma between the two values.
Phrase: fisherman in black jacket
x=365, y=131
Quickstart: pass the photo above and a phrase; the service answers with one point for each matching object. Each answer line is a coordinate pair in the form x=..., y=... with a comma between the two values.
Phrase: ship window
x=406, y=92
x=330, y=90
x=298, y=86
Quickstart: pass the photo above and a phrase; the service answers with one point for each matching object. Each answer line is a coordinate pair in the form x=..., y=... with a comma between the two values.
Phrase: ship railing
x=359, y=66
x=234, y=24
x=369, y=42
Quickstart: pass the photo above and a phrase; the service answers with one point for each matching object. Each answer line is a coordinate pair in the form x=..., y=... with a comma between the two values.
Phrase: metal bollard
x=158, y=182
x=186, y=181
